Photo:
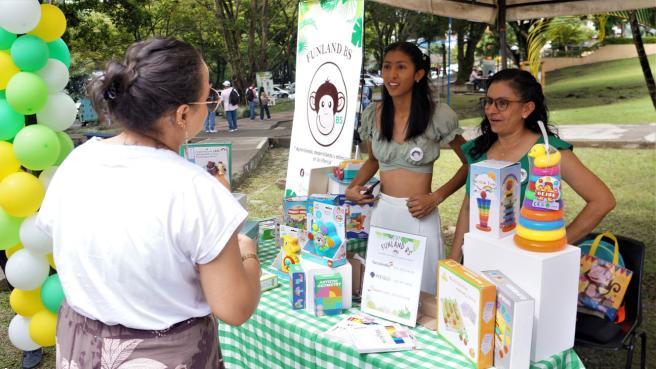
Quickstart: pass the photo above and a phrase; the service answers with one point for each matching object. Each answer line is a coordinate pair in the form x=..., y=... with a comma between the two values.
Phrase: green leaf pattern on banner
x=329, y=5
x=356, y=35
x=289, y=193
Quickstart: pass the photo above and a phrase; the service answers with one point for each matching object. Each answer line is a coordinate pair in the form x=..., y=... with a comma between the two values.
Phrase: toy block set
x=298, y=286
x=328, y=294
x=466, y=306
x=326, y=236
x=514, y=323
x=494, y=197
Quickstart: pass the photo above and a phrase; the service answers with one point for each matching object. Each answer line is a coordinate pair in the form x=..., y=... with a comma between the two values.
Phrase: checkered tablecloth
x=278, y=337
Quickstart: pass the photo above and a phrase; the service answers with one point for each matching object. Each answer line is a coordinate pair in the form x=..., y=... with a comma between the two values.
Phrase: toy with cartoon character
x=291, y=249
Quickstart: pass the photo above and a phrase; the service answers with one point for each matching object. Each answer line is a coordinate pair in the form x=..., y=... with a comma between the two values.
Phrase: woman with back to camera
x=513, y=106
x=156, y=255
x=404, y=133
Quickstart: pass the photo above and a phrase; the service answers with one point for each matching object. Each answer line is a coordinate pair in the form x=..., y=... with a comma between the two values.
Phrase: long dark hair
x=422, y=106
x=156, y=76
x=528, y=89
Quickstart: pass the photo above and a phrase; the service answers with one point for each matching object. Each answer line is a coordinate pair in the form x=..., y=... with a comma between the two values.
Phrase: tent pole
x=501, y=24
x=448, y=66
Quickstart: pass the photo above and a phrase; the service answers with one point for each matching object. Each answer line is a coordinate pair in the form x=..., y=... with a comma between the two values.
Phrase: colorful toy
x=541, y=226
x=328, y=294
x=508, y=222
x=295, y=211
x=494, y=192
x=347, y=169
x=325, y=238
x=298, y=286
x=291, y=249
x=483, y=212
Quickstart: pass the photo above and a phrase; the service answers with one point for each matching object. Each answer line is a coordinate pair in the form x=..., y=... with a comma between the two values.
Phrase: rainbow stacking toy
x=541, y=226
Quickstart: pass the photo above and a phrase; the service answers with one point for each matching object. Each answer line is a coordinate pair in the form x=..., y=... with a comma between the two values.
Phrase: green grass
x=608, y=92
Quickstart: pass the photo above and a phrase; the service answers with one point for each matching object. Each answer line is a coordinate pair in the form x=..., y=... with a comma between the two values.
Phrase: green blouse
x=417, y=154
x=523, y=162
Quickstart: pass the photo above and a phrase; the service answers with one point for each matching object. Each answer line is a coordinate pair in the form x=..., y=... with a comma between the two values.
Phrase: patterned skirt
x=84, y=343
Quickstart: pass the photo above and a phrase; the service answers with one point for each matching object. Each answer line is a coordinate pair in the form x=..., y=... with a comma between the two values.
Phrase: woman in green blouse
x=513, y=105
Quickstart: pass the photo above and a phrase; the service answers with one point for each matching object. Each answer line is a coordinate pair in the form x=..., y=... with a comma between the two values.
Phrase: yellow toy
x=291, y=248
x=541, y=159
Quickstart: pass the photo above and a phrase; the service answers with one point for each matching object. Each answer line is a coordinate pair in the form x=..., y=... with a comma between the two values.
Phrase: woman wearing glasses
x=404, y=133
x=513, y=106
x=156, y=255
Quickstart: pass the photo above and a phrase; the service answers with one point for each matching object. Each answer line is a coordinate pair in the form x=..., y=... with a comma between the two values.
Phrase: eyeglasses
x=501, y=103
x=213, y=100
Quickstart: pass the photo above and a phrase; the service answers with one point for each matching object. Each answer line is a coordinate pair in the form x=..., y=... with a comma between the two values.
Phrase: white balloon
x=59, y=113
x=26, y=270
x=19, y=334
x=46, y=175
x=19, y=16
x=33, y=239
x=55, y=75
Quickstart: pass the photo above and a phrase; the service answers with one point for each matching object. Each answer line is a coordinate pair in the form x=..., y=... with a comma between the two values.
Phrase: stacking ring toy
x=544, y=161
x=529, y=195
x=533, y=178
x=551, y=171
x=541, y=246
x=531, y=186
x=534, y=235
x=529, y=204
x=541, y=225
x=542, y=215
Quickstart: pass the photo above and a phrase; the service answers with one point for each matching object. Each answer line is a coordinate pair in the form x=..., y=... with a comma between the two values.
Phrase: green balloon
x=59, y=51
x=27, y=93
x=36, y=147
x=10, y=121
x=30, y=53
x=52, y=293
x=9, y=230
x=65, y=146
x=6, y=39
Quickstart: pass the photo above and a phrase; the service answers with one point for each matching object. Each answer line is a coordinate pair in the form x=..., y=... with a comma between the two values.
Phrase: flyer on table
x=328, y=60
x=392, y=280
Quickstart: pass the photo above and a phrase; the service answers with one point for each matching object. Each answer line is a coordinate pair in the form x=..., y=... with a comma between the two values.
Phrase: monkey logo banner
x=328, y=60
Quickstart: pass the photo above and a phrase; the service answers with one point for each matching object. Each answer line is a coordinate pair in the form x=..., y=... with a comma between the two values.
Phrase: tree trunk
x=642, y=56
x=227, y=16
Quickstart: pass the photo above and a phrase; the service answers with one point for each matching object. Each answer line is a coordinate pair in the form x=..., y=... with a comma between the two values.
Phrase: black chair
x=625, y=337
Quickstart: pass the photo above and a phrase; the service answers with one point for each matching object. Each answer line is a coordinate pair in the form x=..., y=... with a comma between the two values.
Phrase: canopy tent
x=488, y=11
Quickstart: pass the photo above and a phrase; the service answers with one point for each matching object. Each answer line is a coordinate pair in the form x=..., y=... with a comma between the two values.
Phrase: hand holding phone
x=370, y=191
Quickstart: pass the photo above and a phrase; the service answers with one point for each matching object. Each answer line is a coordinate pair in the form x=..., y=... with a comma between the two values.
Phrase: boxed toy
x=312, y=270
x=338, y=186
x=320, y=198
x=268, y=281
x=326, y=236
x=358, y=218
x=291, y=242
x=328, y=294
x=514, y=323
x=466, y=311
x=297, y=283
x=295, y=211
x=494, y=195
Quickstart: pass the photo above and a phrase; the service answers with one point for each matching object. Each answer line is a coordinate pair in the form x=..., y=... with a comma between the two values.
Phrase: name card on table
x=392, y=279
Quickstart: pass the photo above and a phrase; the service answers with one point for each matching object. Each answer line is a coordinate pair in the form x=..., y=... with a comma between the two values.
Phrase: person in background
x=148, y=266
x=210, y=121
x=263, y=98
x=365, y=93
x=31, y=359
x=474, y=78
x=512, y=108
x=403, y=133
x=229, y=109
x=251, y=94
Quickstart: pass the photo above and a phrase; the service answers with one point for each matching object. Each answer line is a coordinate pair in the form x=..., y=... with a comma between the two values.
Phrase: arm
x=369, y=168
x=462, y=227
x=422, y=205
x=232, y=286
x=599, y=200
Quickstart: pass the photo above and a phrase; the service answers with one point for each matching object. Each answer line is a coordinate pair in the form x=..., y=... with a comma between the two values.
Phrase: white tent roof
x=486, y=10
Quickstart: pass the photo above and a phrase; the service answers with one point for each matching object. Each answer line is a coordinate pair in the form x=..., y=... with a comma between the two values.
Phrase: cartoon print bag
x=602, y=284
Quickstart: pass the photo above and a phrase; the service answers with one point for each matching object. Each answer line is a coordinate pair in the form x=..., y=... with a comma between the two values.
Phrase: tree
x=468, y=35
x=644, y=62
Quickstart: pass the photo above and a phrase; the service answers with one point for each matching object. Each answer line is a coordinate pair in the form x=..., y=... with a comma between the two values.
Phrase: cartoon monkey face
x=326, y=102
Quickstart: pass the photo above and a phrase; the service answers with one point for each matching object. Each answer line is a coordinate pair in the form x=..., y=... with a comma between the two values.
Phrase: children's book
x=381, y=338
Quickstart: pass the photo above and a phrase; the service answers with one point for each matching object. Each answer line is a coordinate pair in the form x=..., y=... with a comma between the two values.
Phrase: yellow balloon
x=8, y=162
x=51, y=25
x=26, y=303
x=21, y=194
x=7, y=69
x=10, y=251
x=51, y=261
x=43, y=327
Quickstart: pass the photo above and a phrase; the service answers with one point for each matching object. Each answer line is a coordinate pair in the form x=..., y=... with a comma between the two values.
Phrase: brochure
x=215, y=157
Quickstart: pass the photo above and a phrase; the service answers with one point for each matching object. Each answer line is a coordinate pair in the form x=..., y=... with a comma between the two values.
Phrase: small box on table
x=313, y=269
x=494, y=194
x=466, y=311
x=514, y=323
x=297, y=283
x=328, y=294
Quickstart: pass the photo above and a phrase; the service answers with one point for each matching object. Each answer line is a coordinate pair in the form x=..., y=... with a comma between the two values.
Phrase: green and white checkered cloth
x=277, y=336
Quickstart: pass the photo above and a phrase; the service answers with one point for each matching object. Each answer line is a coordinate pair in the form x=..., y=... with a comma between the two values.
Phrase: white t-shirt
x=129, y=225
x=225, y=97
